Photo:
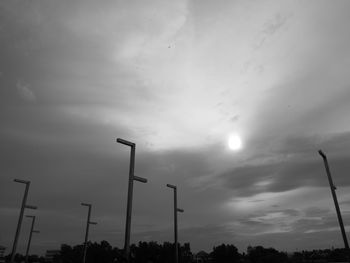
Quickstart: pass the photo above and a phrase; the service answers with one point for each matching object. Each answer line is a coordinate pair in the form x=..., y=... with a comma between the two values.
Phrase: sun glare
x=234, y=142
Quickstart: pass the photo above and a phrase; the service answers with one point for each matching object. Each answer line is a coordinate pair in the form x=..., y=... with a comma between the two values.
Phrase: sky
x=177, y=78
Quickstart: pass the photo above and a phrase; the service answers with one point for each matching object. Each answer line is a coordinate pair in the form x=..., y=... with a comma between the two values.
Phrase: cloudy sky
x=177, y=78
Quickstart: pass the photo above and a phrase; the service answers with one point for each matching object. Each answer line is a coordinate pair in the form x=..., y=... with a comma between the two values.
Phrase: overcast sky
x=177, y=78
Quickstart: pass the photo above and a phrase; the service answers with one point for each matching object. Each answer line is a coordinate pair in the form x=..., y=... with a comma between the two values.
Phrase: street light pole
x=19, y=224
x=30, y=236
x=132, y=177
x=333, y=188
x=176, y=210
x=88, y=223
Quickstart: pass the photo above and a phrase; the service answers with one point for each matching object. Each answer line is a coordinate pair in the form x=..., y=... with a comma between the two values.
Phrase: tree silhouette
x=260, y=254
x=225, y=254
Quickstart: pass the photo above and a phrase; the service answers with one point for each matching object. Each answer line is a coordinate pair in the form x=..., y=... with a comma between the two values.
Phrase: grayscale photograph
x=174, y=131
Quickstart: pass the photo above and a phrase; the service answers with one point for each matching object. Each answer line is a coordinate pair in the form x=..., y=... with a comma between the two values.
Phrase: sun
x=234, y=142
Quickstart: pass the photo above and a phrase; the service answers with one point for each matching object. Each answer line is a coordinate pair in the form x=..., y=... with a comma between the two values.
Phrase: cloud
x=25, y=92
x=288, y=164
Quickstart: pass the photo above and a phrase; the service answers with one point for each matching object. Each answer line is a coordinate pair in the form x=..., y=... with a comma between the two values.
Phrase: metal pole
x=333, y=188
x=19, y=224
x=176, y=210
x=30, y=237
x=132, y=177
x=88, y=222
x=87, y=232
x=175, y=226
x=129, y=204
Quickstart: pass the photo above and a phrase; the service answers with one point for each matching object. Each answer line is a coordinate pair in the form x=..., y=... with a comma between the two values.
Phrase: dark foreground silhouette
x=152, y=252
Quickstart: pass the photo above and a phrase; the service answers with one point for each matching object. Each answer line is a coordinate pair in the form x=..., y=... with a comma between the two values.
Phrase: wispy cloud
x=25, y=92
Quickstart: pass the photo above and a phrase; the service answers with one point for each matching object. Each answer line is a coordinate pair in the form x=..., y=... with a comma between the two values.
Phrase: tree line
x=152, y=252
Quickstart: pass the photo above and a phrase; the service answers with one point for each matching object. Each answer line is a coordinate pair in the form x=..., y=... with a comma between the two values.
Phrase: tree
x=97, y=253
x=260, y=254
x=225, y=254
x=339, y=254
x=71, y=254
x=185, y=253
x=101, y=253
x=146, y=252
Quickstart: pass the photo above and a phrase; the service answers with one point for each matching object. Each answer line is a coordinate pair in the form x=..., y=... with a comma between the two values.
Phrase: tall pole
x=20, y=219
x=333, y=188
x=132, y=177
x=176, y=210
x=30, y=236
x=88, y=223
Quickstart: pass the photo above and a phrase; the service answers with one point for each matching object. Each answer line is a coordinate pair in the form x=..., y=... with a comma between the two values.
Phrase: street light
x=88, y=223
x=19, y=224
x=132, y=177
x=30, y=236
x=176, y=210
x=333, y=188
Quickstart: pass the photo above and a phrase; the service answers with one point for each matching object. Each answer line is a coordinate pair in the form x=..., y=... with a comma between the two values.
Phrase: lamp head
x=171, y=186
